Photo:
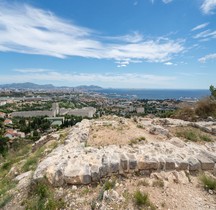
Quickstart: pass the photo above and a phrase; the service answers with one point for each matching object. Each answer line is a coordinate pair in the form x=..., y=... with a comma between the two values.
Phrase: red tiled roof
x=8, y=121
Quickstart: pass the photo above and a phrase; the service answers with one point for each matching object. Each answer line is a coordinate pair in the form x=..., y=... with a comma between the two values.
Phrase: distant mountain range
x=33, y=86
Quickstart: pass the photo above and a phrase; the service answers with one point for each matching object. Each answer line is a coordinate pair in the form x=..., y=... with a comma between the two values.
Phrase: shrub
x=202, y=109
x=205, y=138
x=205, y=108
x=186, y=113
x=93, y=204
x=137, y=140
x=142, y=199
x=109, y=185
x=193, y=134
x=208, y=182
x=5, y=185
x=5, y=200
x=41, y=196
x=188, y=134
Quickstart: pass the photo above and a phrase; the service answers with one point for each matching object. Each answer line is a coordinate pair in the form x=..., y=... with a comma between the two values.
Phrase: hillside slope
x=110, y=163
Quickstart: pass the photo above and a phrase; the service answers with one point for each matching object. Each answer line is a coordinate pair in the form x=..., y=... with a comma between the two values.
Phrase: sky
x=160, y=44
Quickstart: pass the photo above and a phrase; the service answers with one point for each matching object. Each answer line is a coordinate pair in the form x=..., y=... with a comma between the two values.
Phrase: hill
x=33, y=86
x=115, y=163
x=27, y=85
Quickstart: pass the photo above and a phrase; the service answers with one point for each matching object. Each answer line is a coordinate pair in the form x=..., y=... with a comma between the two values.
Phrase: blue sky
x=111, y=43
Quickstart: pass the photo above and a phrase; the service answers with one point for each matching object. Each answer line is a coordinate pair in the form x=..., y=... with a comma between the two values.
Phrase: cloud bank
x=138, y=80
x=29, y=30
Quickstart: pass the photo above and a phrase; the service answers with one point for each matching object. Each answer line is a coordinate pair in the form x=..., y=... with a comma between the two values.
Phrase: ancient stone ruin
x=76, y=163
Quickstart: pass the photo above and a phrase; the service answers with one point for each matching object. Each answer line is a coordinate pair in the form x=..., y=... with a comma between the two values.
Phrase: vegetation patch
x=158, y=183
x=4, y=200
x=208, y=182
x=136, y=140
x=32, y=161
x=201, y=110
x=142, y=200
x=41, y=196
x=143, y=182
x=5, y=185
x=193, y=134
x=205, y=138
x=109, y=184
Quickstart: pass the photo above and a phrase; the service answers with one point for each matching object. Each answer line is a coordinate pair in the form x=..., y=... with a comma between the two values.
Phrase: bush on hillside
x=213, y=91
x=202, y=110
x=205, y=108
x=186, y=113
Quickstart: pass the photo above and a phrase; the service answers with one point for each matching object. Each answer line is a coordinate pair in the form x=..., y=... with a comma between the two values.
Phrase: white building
x=2, y=103
x=140, y=110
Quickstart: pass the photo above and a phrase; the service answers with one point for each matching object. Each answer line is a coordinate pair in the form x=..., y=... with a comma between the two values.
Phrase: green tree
x=3, y=145
x=213, y=91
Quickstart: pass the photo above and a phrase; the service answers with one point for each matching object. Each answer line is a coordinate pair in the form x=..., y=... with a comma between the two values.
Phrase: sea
x=154, y=94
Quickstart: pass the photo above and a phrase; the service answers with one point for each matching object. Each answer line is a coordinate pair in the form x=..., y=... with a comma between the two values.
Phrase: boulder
x=177, y=142
x=24, y=180
x=158, y=130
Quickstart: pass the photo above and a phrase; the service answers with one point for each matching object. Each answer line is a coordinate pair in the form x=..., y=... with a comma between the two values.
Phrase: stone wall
x=74, y=163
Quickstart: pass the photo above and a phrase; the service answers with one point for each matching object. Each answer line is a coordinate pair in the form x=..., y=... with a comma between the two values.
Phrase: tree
x=213, y=91
x=3, y=145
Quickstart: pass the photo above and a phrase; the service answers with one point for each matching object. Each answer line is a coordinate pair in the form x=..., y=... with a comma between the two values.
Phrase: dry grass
x=201, y=110
x=192, y=134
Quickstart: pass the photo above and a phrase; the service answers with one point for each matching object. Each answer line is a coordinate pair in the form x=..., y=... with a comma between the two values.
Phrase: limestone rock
x=24, y=180
x=177, y=142
x=158, y=130
x=194, y=164
x=206, y=164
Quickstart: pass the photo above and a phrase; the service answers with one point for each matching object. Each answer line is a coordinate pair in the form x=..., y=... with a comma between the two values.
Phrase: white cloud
x=25, y=29
x=120, y=80
x=124, y=63
x=208, y=57
x=168, y=63
x=208, y=6
x=31, y=70
x=135, y=37
x=201, y=26
x=167, y=1
x=207, y=35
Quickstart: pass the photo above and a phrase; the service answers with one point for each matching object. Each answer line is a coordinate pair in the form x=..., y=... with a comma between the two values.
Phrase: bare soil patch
x=120, y=134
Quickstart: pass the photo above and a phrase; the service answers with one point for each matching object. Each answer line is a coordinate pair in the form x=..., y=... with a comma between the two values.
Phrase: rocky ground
x=102, y=163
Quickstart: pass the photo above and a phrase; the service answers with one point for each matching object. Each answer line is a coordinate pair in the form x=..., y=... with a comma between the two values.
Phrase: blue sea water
x=154, y=94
